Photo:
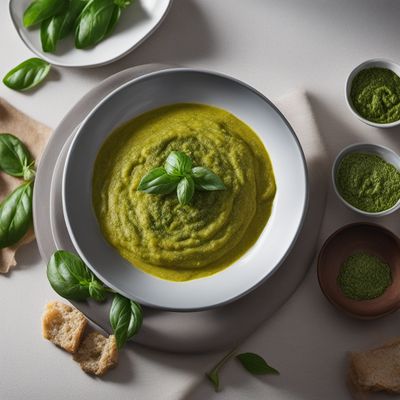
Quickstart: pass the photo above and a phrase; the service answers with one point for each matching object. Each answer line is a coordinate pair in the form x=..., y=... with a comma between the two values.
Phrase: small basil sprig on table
x=16, y=208
x=16, y=215
x=15, y=158
x=27, y=75
x=71, y=278
x=178, y=174
x=125, y=318
x=39, y=10
x=252, y=362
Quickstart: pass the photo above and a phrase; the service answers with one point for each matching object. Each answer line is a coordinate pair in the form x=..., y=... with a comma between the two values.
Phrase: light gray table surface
x=275, y=46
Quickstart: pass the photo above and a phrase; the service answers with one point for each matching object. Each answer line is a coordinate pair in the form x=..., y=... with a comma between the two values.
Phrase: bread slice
x=63, y=325
x=97, y=354
x=377, y=369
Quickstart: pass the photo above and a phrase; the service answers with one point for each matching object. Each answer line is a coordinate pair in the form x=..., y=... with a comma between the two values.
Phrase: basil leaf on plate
x=27, y=75
x=113, y=21
x=70, y=16
x=185, y=190
x=15, y=158
x=96, y=20
x=126, y=318
x=39, y=10
x=50, y=33
x=255, y=364
x=157, y=181
x=16, y=215
x=178, y=163
x=69, y=276
x=205, y=179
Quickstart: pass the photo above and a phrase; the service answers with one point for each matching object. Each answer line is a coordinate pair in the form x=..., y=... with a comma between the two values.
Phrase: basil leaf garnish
x=15, y=158
x=71, y=278
x=27, y=75
x=70, y=16
x=126, y=319
x=39, y=10
x=178, y=163
x=50, y=33
x=16, y=215
x=185, y=190
x=157, y=181
x=95, y=21
x=205, y=179
x=113, y=21
x=255, y=364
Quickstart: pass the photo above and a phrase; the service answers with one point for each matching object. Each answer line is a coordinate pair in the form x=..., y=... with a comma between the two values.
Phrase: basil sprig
x=16, y=208
x=71, y=278
x=178, y=173
x=125, y=318
x=251, y=362
x=27, y=75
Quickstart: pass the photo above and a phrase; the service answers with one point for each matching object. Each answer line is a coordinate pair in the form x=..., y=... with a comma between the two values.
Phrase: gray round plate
x=170, y=331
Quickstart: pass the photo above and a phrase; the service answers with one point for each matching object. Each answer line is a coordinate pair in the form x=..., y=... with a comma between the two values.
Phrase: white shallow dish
x=387, y=154
x=168, y=87
x=374, y=63
x=137, y=23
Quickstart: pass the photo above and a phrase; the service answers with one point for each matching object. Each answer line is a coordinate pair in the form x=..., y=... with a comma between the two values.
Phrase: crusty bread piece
x=97, y=354
x=377, y=369
x=63, y=325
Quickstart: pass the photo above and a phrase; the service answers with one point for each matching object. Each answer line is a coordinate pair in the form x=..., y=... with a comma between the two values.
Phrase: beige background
x=275, y=46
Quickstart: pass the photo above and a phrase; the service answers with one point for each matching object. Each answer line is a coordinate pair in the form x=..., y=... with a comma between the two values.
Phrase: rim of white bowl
x=373, y=62
x=366, y=148
x=233, y=297
x=89, y=65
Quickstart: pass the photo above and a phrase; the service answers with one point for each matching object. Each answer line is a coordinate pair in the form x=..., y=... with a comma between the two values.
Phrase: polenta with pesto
x=156, y=233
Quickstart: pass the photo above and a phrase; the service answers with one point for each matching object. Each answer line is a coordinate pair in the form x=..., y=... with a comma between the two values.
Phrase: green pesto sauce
x=368, y=182
x=364, y=277
x=375, y=94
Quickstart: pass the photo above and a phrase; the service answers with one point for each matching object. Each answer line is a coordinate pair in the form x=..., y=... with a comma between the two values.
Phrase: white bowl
x=374, y=63
x=137, y=23
x=388, y=155
x=195, y=86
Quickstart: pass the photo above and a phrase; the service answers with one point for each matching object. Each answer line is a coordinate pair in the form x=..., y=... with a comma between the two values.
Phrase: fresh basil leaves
x=16, y=208
x=96, y=20
x=15, y=158
x=125, y=318
x=255, y=364
x=252, y=362
x=71, y=278
x=27, y=75
x=16, y=215
x=178, y=174
x=39, y=10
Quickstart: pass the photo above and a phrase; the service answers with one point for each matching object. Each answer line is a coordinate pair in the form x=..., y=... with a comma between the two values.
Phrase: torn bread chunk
x=377, y=369
x=63, y=325
x=97, y=354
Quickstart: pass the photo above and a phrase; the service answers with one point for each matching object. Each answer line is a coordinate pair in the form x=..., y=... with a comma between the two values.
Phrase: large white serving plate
x=168, y=87
x=136, y=24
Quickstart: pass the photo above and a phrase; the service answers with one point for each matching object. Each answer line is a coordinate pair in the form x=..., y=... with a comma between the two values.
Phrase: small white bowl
x=137, y=23
x=374, y=63
x=385, y=153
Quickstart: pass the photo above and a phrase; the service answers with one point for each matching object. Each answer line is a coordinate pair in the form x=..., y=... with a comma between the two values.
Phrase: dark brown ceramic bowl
x=352, y=238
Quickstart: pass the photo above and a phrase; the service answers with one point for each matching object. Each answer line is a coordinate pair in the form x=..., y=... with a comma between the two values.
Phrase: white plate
x=137, y=23
x=168, y=87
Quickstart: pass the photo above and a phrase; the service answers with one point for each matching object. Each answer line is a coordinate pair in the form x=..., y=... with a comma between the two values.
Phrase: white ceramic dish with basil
x=137, y=22
x=149, y=92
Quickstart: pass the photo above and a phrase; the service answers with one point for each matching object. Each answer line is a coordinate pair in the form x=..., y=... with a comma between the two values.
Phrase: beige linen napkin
x=34, y=135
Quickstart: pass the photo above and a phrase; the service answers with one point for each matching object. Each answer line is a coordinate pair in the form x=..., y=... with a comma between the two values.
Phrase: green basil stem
x=212, y=375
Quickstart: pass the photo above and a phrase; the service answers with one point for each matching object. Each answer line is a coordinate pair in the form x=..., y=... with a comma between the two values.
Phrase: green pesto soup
x=156, y=233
